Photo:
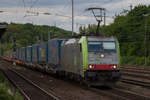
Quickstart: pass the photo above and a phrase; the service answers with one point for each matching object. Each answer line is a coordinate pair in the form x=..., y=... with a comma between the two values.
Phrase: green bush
x=4, y=95
x=134, y=60
x=140, y=60
x=128, y=60
x=148, y=60
x=5, y=90
x=1, y=78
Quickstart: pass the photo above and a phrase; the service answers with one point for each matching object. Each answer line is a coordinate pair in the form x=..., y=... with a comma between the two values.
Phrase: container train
x=90, y=59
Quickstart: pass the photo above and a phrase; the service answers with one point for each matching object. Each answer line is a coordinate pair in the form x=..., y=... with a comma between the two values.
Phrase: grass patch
x=7, y=91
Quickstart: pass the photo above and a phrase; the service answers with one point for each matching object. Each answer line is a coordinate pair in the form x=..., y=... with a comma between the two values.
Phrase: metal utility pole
x=72, y=17
x=41, y=37
x=104, y=20
x=145, y=41
x=2, y=31
x=131, y=7
x=0, y=48
x=49, y=35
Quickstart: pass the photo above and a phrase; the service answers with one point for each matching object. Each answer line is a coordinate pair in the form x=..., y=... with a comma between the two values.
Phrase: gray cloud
x=15, y=11
x=7, y=3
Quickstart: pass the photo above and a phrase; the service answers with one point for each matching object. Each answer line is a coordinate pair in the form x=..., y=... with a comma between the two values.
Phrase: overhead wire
x=24, y=3
x=33, y=3
x=45, y=13
x=57, y=14
x=65, y=6
x=30, y=8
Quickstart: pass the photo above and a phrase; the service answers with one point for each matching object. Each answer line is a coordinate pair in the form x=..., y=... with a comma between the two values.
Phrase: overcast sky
x=60, y=10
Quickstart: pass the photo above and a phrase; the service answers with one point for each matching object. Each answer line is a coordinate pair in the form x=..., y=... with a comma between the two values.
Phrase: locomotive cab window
x=101, y=46
x=109, y=46
x=95, y=46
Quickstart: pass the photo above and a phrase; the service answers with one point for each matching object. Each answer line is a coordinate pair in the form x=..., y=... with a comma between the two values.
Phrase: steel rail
x=108, y=94
x=136, y=71
x=32, y=83
x=120, y=94
x=144, y=76
x=130, y=95
x=15, y=85
x=136, y=82
x=35, y=85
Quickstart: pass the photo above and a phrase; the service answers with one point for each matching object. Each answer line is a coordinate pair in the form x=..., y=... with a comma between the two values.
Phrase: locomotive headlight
x=91, y=66
x=114, y=66
x=102, y=55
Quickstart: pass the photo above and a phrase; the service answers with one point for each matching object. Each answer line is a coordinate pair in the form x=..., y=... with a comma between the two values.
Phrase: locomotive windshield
x=109, y=45
x=101, y=46
x=94, y=46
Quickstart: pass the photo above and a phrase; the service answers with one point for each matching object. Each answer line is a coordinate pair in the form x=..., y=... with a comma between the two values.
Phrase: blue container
x=42, y=53
x=35, y=53
x=22, y=56
x=29, y=54
x=47, y=52
x=54, y=51
x=25, y=60
x=19, y=57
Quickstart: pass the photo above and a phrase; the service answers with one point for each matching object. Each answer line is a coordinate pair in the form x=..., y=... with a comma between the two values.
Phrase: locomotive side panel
x=71, y=58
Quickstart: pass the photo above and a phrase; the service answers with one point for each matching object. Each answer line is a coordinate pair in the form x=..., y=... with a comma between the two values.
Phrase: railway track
x=136, y=68
x=136, y=71
x=120, y=94
x=114, y=93
x=136, y=75
x=30, y=90
x=136, y=82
